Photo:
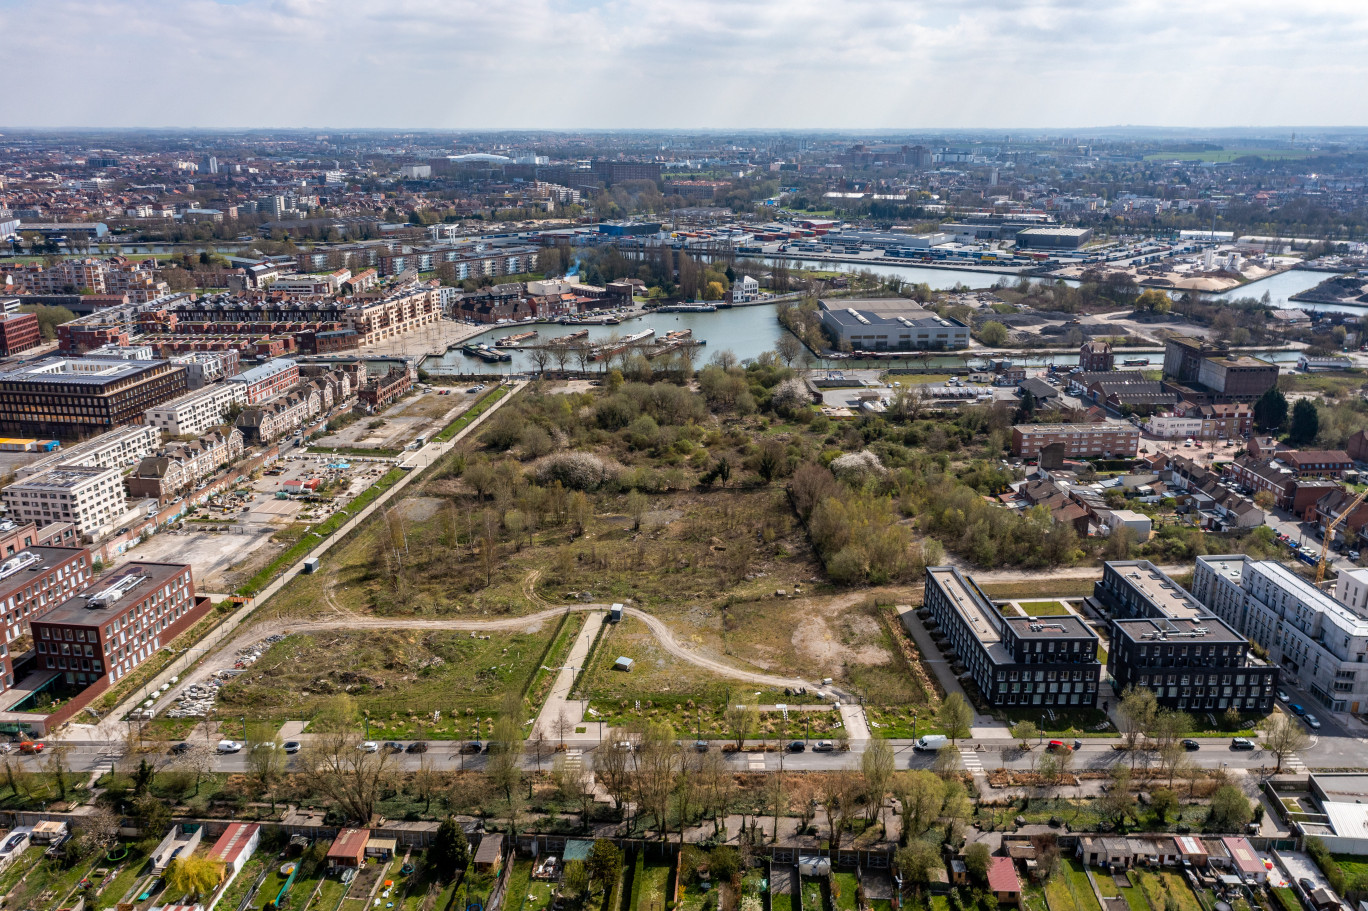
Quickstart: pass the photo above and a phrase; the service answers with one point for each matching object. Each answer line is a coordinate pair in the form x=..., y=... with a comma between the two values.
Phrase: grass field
x=1044, y=608
x=1060, y=588
x=397, y=677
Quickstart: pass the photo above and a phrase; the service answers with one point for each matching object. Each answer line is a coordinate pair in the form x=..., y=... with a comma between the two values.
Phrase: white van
x=931, y=742
x=229, y=746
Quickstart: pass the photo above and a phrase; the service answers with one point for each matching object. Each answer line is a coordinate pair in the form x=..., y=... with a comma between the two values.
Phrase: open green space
x=1068, y=890
x=1044, y=608
x=396, y=678
x=650, y=888
x=525, y=893
x=465, y=418
x=130, y=870
x=1224, y=156
x=844, y=885
x=328, y=897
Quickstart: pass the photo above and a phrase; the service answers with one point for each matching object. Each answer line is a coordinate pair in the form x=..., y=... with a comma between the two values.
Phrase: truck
x=931, y=742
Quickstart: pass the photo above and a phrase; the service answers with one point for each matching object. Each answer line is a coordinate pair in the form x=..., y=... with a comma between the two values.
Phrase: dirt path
x=529, y=590
x=1047, y=575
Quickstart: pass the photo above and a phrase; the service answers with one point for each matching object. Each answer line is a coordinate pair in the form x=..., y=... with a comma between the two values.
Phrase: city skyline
x=701, y=64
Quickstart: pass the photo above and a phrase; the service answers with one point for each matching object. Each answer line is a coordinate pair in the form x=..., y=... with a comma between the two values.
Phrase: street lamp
x=1041, y=729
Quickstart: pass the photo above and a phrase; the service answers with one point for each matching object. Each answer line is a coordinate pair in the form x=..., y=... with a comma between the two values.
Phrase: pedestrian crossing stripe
x=971, y=761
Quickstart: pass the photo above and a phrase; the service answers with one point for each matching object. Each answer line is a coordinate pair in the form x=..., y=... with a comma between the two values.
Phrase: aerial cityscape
x=797, y=458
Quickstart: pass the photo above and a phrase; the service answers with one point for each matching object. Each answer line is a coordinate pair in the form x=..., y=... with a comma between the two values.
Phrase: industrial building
x=1015, y=661
x=1197, y=363
x=1053, y=238
x=890, y=324
x=1165, y=640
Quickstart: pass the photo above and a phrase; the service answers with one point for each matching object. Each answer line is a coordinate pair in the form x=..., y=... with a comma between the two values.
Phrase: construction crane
x=1322, y=563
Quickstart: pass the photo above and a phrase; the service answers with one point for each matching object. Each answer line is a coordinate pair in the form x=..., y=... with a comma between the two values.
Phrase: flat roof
x=63, y=477
x=983, y=618
x=1051, y=627
x=1206, y=631
x=77, y=610
x=1166, y=595
x=1312, y=596
x=1103, y=426
x=1231, y=566
x=79, y=370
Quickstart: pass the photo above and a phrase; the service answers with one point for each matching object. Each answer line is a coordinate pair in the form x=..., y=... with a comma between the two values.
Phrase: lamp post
x=1041, y=730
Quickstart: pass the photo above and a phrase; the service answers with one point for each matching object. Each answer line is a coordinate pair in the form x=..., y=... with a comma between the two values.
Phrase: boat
x=567, y=339
x=687, y=308
x=485, y=353
x=622, y=344
x=513, y=341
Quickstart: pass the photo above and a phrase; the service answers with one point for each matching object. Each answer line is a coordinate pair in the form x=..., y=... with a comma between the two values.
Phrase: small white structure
x=1139, y=523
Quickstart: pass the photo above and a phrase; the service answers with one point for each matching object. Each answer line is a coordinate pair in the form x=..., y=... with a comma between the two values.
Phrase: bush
x=575, y=470
x=857, y=467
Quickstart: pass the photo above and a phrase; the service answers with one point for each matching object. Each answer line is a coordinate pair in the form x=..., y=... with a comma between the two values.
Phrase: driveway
x=984, y=726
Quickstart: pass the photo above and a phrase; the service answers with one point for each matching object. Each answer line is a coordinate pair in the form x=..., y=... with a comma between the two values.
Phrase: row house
x=1333, y=506
x=182, y=466
x=1290, y=492
x=269, y=421
x=1318, y=463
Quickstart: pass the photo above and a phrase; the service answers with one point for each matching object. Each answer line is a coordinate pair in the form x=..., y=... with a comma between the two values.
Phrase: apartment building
x=182, y=466
x=1108, y=440
x=122, y=619
x=18, y=332
x=117, y=449
x=1320, y=641
x=1164, y=639
x=1015, y=661
x=32, y=582
x=267, y=381
x=272, y=420
x=198, y=412
x=91, y=499
x=205, y=367
x=72, y=397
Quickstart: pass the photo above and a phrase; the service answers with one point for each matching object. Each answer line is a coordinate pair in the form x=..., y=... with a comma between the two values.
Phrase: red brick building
x=1096, y=357
x=121, y=620
x=1112, y=440
x=18, y=332
x=32, y=582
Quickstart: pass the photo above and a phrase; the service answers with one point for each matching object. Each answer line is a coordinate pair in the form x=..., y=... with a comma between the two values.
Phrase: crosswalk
x=755, y=762
x=1293, y=763
x=972, y=763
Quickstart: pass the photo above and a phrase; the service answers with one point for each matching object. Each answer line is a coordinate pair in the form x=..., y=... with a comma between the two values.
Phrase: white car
x=369, y=746
x=229, y=746
x=1312, y=722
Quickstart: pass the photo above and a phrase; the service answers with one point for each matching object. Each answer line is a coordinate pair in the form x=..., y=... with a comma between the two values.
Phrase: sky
x=683, y=64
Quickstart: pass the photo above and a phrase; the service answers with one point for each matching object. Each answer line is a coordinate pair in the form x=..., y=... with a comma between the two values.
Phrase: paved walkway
x=558, y=702
x=985, y=727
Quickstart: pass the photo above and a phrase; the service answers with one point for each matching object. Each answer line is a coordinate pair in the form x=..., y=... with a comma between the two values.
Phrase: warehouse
x=1053, y=238
x=890, y=324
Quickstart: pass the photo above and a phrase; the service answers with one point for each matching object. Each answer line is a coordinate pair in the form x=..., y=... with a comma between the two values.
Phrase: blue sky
x=474, y=64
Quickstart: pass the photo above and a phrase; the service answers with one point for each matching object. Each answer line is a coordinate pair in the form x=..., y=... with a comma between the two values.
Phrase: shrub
x=856, y=467
x=575, y=470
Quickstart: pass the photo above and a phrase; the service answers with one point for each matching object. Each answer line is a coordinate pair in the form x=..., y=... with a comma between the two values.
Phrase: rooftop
x=1166, y=596
x=264, y=371
x=978, y=612
x=1208, y=630
x=1337, y=611
x=80, y=370
x=112, y=593
x=1053, y=627
x=62, y=478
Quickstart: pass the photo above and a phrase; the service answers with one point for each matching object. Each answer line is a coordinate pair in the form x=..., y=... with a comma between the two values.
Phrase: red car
x=28, y=746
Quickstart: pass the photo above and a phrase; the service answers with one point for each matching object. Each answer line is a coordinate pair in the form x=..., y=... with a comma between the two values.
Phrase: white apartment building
x=1319, y=641
x=90, y=498
x=1351, y=589
x=117, y=449
x=198, y=412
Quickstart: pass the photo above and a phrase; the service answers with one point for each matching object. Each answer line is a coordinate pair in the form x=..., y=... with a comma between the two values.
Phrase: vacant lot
x=398, y=678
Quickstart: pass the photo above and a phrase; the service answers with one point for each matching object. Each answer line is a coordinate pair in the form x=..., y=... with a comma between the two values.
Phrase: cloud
x=688, y=63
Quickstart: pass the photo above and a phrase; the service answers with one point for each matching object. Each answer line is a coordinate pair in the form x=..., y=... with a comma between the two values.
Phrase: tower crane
x=1322, y=563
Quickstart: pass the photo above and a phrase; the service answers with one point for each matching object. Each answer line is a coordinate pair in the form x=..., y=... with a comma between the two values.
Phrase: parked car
x=1297, y=710
x=1306, y=884
x=1312, y=722
x=369, y=746
x=796, y=746
x=392, y=746
x=229, y=746
x=1282, y=696
x=473, y=747
x=292, y=746
x=418, y=746
x=1191, y=745
x=180, y=748
x=700, y=746
x=1241, y=743
x=823, y=746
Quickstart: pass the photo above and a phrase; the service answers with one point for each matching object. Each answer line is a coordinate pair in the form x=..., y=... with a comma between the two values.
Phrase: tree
x=1305, y=422
x=336, y=767
x=613, y=767
x=450, y=851
x=976, y=860
x=266, y=764
x=1163, y=802
x=955, y=717
x=993, y=334
x=921, y=794
x=657, y=768
x=1025, y=732
x=604, y=862
x=193, y=876
x=540, y=356
x=741, y=720
x=575, y=784
x=1270, y=410
x=877, y=764
x=1230, y=809
x=917, y=862
x=575, y=880
x=788, y=348
x=840, y=792
x=504, y=768
x=1118, y=803
x=1283, y=737
x=1136, y=712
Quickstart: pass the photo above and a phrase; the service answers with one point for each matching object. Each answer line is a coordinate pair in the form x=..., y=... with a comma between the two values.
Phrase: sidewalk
x=984, y=727
x=558, y=702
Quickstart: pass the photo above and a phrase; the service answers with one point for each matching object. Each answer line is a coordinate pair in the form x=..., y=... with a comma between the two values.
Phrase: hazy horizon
x=693, y=65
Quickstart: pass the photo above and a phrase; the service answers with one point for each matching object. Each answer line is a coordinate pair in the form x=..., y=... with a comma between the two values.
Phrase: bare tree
x=540, y=356
x=562, y=354
x=584, y=353
x=335, y=766
x=575, y=784
x=788, y=348
x=1283, y=737
x=613, y=767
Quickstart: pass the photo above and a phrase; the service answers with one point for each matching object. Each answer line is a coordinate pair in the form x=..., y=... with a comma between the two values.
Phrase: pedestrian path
x=972, y=763
x=1293, y=763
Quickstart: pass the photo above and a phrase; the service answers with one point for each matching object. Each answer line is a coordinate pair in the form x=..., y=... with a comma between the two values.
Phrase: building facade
x=1165, y=640
x=198, y=412
x=116, y=449
x=1017, y=661
x=18, y=332
x=72, y=397
x=32, y=582
x=890, y=324
x=91, y=499
x=267, y=381
x=1108, y=440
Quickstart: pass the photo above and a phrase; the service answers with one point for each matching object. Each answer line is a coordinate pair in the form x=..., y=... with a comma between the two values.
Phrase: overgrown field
x=397, y=678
